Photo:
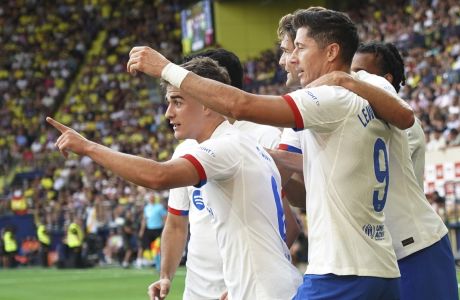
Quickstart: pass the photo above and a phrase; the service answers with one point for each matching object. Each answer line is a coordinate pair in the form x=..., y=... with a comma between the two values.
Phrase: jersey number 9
x=381, y=174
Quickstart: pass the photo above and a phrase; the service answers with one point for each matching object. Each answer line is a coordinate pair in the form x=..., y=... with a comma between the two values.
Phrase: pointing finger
x=61, y=127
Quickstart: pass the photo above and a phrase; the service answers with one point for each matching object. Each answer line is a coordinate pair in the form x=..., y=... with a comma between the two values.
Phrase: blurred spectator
x=18, y=203
x=74, y=242
x=45, y=242
x=129, y=238
x=453, y=138
x=437, y=141
x=153, y=221
x=9, y=247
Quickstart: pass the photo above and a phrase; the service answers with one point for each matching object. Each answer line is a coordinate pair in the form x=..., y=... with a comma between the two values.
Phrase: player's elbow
x=158, y=181
x=406, y=119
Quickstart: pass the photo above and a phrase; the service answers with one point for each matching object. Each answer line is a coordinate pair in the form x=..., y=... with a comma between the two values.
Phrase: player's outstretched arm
x=138, y=170
x=386, y=106
x=173, y=240
x=225, y=99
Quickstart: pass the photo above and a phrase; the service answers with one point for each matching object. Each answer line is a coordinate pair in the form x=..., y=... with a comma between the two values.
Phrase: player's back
x=346, y=175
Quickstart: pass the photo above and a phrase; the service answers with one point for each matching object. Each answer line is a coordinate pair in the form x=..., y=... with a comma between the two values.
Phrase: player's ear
x=332, y=51
x=388, y=77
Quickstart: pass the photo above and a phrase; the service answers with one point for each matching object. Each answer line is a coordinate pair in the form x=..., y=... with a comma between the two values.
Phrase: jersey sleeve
x=270, y=137
x=376, y=80
x=321, y=108
x=179, y=202
x=290, y=141
x=215, y=159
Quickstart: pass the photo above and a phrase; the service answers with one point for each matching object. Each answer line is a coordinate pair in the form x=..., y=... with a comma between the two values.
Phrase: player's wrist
x=174, y=74
x=166, y=277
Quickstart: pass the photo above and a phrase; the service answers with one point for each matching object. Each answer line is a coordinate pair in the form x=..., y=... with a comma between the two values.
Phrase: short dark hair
x=389, y=61
x=204, y=67
x=226, y=59
x=327, y=26
x=285, y=27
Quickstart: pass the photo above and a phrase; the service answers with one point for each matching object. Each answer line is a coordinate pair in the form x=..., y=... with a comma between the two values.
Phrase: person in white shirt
x=419, y=235
x=204, y=278
x=351, y=251
x=240, y=187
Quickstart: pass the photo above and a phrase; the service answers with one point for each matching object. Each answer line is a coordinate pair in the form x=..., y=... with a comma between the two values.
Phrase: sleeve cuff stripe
x=295, y=111
x=199, y=168
x=289, y=148
x=177, y=212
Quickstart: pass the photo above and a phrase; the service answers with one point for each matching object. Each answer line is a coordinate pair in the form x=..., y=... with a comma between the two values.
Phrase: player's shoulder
x=322, y=93
x=250, y=127
x=183, y=147
x=375, y=80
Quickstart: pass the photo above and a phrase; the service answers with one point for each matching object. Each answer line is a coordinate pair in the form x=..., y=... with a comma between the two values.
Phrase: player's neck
x=209, y=129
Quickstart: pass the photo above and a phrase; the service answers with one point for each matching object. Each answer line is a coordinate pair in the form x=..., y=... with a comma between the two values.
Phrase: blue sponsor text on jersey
x=207, y=150
x=264, y=154
x=312, y=96
x=366, y=115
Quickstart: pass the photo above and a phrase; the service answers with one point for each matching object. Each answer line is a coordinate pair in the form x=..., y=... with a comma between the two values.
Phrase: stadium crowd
x=80, y=52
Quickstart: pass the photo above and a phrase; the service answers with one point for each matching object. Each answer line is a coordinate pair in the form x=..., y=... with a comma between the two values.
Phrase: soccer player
x=347, y=145
x=419, y=235
x=240, y=189
x=204, y=279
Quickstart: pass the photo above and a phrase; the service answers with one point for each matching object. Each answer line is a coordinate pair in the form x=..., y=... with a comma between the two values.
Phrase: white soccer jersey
x=417, y=148
x=240, y=191
x=346, y=178
x=267, y=136
x=204, y=279
x=411, y=220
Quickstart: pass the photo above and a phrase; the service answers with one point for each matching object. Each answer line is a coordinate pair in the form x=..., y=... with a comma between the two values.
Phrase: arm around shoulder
x=387, y=106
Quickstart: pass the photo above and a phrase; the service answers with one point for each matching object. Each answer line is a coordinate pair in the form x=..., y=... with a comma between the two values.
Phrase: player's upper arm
x=175, y=173
x=263, y=109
